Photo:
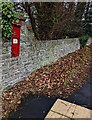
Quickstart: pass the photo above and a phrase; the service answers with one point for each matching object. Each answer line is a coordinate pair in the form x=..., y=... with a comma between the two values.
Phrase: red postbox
x=15, y=39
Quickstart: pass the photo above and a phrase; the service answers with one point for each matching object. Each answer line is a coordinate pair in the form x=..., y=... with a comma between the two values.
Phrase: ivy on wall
x=9, y=14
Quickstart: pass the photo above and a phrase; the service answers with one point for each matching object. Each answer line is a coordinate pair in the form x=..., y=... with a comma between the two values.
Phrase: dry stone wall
x=33, y=55
x=0, y=67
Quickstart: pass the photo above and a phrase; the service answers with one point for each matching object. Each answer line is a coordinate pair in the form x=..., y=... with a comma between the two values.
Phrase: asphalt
x=34, y=106
x=83, y=96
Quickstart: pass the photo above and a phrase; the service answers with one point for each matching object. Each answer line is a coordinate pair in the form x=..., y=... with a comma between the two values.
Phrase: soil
x=60, y=79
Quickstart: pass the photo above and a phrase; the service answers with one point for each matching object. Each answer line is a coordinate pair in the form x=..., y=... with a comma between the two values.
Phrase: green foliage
x=83, y=40
x=8, y=17
x=89, y=29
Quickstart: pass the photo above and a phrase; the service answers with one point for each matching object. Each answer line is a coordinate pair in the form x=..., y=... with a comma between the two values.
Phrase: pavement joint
x=60, y=114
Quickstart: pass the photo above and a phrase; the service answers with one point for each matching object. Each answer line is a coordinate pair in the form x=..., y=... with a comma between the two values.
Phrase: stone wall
x=33, y=55
x=0, y=67
x=89, y=41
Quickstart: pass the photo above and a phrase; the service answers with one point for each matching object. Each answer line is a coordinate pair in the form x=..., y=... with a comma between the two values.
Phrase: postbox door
x=15, y=41
x=15, y=47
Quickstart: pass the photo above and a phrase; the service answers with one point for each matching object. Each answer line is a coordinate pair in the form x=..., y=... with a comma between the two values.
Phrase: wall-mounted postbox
x=15, y=39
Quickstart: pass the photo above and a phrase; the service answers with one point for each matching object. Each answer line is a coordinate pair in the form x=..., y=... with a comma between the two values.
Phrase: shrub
x=89, y=29
x=83, y=40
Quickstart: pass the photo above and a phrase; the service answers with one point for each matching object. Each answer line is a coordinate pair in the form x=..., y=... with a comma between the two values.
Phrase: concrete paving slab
x=53, y=115
x=81, y=112
x=71, y=110
x=64, y=109
x=61, y=107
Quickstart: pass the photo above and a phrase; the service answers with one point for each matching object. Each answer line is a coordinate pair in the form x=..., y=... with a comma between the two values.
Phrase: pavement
x=64, y=109
x=38, y=106
x=34, y=106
